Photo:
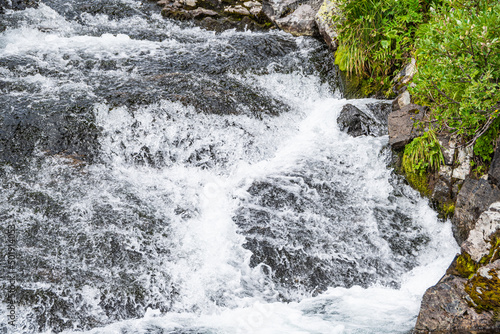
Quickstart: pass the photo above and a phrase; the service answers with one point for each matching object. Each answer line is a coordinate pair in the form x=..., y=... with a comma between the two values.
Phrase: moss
x=484, y=291
x=419, y=182
x=447, y=209
x=494, y=251
x=465, y=266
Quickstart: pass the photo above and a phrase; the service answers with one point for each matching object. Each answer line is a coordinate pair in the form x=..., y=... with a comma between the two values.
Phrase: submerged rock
x=467, y=298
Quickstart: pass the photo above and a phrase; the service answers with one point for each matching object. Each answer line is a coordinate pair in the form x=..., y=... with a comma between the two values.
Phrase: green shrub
x=423, y=154
x=375, y=37
x=458, y=58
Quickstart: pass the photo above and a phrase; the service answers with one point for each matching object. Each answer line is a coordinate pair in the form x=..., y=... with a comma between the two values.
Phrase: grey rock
x=401, y=125
x=300, y=22
x=442, y=191
x=404, y=77
x=238, y=10
x=293, y=16
x=444, y=309
x=494, y=172
x=401, y=101
x=326, y=19
x=473, y=199
x=462, y=162
x=356, y=123
x=478, y=244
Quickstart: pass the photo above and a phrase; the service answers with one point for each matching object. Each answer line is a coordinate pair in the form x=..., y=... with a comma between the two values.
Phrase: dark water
x=195, y=181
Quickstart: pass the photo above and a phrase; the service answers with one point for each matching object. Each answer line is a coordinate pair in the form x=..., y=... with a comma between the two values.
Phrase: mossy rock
x=484, y=290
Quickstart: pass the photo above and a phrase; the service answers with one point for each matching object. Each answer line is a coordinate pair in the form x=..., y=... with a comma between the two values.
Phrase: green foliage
x=423, y=154
x=376, y=37
x=465, y=266
x=448, y=209
x=458, y=57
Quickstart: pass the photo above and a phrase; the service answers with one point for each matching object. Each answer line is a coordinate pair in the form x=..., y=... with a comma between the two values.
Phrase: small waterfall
x=166, y=179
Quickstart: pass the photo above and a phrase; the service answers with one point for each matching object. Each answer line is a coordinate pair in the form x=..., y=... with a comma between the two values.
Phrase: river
x=166, y=179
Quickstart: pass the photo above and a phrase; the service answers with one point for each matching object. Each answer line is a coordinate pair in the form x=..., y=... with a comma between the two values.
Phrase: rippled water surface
x=166, y=179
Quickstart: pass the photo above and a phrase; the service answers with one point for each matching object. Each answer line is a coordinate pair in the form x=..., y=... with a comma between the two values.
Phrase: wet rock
x=465, y=300
x=17, y=4
x=299, y=23
x=401, y=125
x=358, y=123
x=326, y=20
x=293, y=16
x=444, y=309
x=474, y=198
x=216, y=15
x=494, y=172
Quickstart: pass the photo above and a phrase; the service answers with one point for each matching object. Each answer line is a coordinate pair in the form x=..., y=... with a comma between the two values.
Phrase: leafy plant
x=375, y=37
x=423, y=154
x=458, y=57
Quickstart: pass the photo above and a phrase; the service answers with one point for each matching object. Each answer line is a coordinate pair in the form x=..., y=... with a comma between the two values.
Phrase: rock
x=465, y=300
x=275, y=9
x=405, y=76
x=190, y=3
x=293, y=16
x=251, y=4
x=462, y=162
x=357, y=123
x=442, y=192
x=401, y=101
x=326, y=20
x=448, y=150
x=200, y=13
x=237, y=10
x=474, y=198
x=300, y=22
x=17, y=4
x=494, y=172
x=444, y=309
x=401, y=125
x=256, y=11
x=478, y=243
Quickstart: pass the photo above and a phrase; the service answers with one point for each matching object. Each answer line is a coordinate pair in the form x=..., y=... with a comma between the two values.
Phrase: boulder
x=293, y=16
x=326, y=20
x=300, y=22
x=474, y=198
x=494, y=172
x=467, y=298
x=444, y=309
x=401, y=125
x=356, y=123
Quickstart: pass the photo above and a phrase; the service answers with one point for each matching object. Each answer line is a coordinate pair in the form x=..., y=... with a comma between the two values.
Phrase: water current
x=166, y=179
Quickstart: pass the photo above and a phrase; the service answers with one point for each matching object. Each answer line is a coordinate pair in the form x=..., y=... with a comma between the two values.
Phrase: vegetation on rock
x=457, y=48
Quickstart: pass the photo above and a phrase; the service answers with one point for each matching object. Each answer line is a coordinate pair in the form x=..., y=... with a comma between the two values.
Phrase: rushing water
x=166, y=179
